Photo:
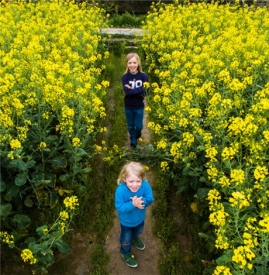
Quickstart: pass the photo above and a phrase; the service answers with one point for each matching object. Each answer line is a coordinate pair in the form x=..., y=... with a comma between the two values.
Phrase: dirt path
x=148, y=258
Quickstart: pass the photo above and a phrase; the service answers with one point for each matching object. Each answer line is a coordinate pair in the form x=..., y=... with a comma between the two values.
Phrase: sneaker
x=133, y=142
x=133, y=145
x=139, y=244
x=129, y=260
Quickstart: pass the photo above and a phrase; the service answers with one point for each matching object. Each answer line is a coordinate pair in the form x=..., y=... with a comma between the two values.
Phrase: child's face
x=133, y=182
x=132, y=65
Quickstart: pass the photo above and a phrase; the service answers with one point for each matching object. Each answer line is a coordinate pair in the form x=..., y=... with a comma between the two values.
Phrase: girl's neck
x=133, y=72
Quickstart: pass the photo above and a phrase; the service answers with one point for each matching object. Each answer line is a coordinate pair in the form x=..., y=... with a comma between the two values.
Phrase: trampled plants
x=209, y=113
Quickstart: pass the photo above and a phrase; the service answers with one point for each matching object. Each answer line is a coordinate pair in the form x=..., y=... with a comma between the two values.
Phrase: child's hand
x=128, y=86
x=138, y=202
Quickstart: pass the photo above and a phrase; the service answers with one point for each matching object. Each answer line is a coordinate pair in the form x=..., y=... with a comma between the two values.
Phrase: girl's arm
x=133, y=87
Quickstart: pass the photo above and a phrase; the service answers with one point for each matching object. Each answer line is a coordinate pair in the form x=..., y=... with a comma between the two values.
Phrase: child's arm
x=148, y=197
x=121, y=205
x=129, y=87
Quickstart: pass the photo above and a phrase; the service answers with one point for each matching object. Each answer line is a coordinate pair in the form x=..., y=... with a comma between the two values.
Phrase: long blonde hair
x=131, y=55
x=135, y=168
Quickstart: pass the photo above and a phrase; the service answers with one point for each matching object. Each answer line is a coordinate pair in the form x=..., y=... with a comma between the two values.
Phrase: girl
x=133, y=195
x=132, y=83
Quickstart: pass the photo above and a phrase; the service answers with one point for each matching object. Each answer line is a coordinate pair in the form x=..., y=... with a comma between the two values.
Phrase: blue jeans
x=134, y=118
x=127, y=235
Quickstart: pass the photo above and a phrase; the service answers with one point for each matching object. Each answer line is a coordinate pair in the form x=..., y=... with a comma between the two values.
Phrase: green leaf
x=22, y=221
x=62, y=246
x=28, y=202
x=5, y=209
x=81, y=152
x=206, y=236
x=2, y=186
x=193, y=173
x=203, y=235
x=64, y=177
x=20, y=179
x=195, y=184
x=40, y=230
x=85, y=170
x=59, y=162
x=45, y=181
x=22, y=165
x=82, y=190
x=30, y=164
x=209, y=270
x=202, y=179
x=36, y=177
x=225, y=257
x=30, y=240
x=12, y=191
x=202, y=193
x=53, y=198
x=52, y=178
x=18, y=163
x=186, y=170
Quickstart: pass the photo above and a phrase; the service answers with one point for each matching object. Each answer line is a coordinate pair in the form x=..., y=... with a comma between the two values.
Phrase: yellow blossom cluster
x=264, y=223
x=243, y=255
x=239, y=199
x=71, y=202
x=222, y=270
x=212, y=102
x=76, y=142
x=49, y=56
x=164, y=166
x=27, y=255
x=7, y=238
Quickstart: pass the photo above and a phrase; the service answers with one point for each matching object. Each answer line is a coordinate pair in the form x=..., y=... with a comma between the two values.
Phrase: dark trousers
x=134, y=118
x=127, y=235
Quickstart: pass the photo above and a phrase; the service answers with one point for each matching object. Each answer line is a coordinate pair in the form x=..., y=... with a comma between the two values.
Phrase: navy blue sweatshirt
x=134, y=97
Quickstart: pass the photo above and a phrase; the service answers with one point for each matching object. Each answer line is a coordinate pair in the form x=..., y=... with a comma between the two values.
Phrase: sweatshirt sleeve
x=148, y=197
x=120, y=202
x=134, y=90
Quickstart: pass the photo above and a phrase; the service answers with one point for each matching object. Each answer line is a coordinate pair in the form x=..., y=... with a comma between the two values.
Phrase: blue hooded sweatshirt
x=129, y=215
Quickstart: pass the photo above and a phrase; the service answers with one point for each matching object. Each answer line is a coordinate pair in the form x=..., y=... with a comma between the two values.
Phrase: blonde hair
x=135, y=168
x=131, y=55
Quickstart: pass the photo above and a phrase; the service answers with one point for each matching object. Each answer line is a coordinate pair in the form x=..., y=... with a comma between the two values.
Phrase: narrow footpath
x=147, y=259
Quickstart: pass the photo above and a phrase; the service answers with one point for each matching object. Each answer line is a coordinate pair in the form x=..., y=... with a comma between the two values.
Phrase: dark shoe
x=139, y=244
x=129, y=260
x=133, y=142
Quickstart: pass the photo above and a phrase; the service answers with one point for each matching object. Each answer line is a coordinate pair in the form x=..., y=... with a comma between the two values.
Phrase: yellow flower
x=164, y=166
x=237, y=176
x=71, y=202
x=222, y=270
x=194, y=207
x=15, y=144
x=64, y=215
x=76, y=142
x=27, y=255
x=239, y=198
x=42, y=145
x=260, y=173
x=7, y=238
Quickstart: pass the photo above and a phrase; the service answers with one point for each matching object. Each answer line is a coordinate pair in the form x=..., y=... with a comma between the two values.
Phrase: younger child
x=133, y=195
x=132, y=83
